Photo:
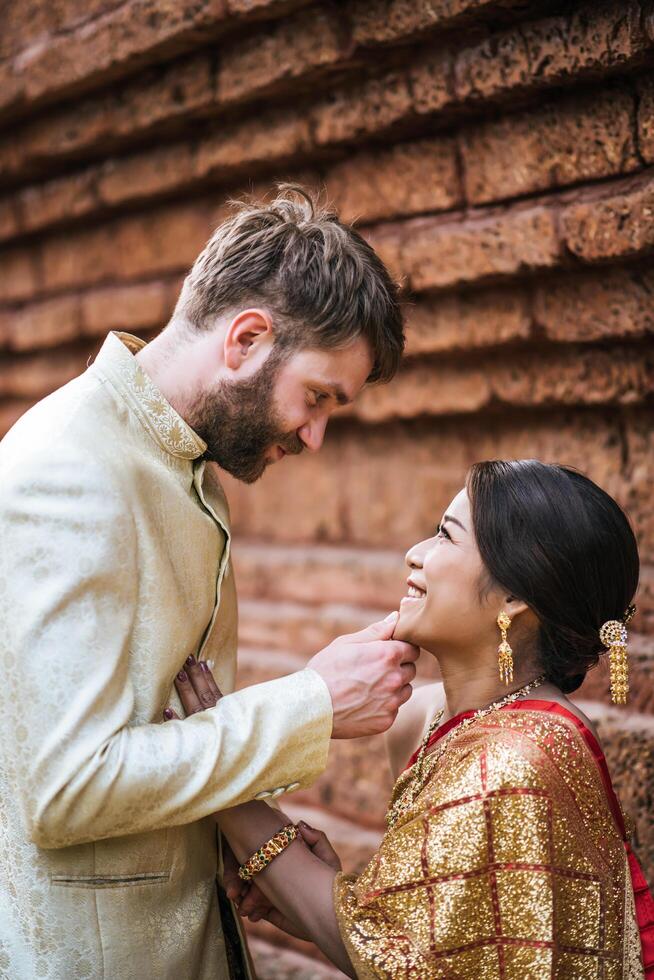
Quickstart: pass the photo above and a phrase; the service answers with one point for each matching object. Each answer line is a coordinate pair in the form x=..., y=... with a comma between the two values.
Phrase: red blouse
x=642, y=896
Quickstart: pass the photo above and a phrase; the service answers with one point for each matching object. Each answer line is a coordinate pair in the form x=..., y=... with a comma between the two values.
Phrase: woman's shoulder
x=539, y=744
x=412, y=721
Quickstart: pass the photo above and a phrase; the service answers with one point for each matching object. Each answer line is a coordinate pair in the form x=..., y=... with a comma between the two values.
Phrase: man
x=115, y=572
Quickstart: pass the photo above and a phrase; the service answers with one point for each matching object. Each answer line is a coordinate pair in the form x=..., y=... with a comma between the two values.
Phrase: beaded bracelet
x=268, y=852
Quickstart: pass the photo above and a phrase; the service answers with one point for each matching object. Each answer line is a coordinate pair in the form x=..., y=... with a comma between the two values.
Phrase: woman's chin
x=405, y=628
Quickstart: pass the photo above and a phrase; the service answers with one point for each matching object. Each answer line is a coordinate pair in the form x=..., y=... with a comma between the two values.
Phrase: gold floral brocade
x=509, y=865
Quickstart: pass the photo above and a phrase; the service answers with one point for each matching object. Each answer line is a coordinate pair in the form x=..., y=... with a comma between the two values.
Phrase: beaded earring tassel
x=505, y=653
x=613, y=635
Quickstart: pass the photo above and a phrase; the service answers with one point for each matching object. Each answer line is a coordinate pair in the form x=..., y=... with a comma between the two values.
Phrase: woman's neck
x=469, y=688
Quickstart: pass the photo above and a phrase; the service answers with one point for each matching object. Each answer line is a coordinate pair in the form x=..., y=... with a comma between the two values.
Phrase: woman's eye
x=441, y=532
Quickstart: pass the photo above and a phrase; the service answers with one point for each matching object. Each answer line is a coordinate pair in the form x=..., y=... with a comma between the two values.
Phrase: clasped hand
x=198, y=691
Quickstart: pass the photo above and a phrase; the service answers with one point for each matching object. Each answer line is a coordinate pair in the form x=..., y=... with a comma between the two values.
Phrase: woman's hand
x=198, y=691
x=303, y=888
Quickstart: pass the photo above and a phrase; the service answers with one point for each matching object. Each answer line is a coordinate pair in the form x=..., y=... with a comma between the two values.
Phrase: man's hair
x=323, y=283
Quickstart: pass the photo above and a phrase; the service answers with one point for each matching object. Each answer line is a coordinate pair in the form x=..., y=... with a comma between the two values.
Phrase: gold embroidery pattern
x=172, y=432
x=177, y=437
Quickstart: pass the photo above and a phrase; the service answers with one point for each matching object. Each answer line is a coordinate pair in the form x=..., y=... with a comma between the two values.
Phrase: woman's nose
x=414, y=557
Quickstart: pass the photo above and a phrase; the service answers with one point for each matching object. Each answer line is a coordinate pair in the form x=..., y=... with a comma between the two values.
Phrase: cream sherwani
x=114, y=567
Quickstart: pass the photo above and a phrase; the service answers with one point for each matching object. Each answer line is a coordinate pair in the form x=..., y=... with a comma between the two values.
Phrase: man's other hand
x=369, y=676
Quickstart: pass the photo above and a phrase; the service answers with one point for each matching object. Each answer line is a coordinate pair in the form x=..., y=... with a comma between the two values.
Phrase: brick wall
x=499, y=154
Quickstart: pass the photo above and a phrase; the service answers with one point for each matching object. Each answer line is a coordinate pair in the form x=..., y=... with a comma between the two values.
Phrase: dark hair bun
x=554, y=538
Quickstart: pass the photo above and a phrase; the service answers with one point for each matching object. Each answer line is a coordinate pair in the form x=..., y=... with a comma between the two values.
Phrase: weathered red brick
x=164, y=241
x=594, y=37
x=628, y=743
x=438, y=252
x=46, y=324
x=638, y=477
x=276, y=135
x=431, y=81
x=373, y=578
x=295, y=46
x=596, y=305
x=351, y=112
x=143, y=306
x=144, y=175
x=565, y=141
x=615, y=222
x=32, y=377
x=153, y=98
x=467, y=320
x=19, y=279
x=559, y=377
x=10, y=225
x=409, y=178
x=10, y=411
x=300, y=628
x=345, y=493
x=64, y=198
x=646, y=119
x=133, y=35
x=383, y=21
x=23, y=24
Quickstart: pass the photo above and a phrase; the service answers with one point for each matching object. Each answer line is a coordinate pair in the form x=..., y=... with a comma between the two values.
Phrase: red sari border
x=643, y=900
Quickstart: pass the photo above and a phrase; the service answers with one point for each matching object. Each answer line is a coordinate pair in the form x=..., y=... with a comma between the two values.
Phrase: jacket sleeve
x=80, y=768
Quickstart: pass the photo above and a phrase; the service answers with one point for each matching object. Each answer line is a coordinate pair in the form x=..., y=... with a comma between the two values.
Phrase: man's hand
x=369, y=676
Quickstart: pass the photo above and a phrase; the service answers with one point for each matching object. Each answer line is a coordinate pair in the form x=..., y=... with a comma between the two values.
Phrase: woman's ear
x=514, y=607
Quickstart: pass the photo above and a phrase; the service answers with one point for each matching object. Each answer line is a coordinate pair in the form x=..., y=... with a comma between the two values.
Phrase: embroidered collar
x=117, y=362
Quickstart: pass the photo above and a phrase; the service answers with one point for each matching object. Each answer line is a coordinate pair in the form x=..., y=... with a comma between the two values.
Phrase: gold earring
x=505, y=659
x=613, y=635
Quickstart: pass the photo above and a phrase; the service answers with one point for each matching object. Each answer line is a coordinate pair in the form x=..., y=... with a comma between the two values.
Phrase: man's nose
x=313, y=433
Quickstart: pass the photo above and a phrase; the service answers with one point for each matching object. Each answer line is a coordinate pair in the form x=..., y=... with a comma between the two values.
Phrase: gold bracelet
x=268, y=852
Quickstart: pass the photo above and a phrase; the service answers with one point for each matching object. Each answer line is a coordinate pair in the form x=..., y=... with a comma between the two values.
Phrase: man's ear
x=245, y=335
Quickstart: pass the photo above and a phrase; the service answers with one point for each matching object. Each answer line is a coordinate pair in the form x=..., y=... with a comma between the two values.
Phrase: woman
x=506, y=854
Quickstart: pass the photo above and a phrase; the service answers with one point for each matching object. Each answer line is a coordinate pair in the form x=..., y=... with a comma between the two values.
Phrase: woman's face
x=443, y=610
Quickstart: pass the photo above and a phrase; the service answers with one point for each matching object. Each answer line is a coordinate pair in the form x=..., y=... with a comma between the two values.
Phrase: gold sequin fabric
x=509, y=866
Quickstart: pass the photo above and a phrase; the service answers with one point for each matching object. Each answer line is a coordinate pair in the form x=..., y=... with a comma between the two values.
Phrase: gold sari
x=510, y=865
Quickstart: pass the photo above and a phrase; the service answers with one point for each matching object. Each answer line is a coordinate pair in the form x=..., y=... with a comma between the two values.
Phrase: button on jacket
x=114, y=567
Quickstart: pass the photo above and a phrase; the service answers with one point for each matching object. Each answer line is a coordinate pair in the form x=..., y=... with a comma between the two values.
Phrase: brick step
x=313, y=573
x=274, y=962
x=284, y=625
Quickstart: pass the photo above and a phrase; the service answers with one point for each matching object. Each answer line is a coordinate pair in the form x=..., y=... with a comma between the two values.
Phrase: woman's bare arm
x=296, y=882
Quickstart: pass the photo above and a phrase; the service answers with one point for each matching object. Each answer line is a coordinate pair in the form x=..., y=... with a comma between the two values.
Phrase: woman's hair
x=552, y=538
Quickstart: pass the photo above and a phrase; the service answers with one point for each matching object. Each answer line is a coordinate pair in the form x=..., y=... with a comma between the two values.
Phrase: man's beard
x=239, y=423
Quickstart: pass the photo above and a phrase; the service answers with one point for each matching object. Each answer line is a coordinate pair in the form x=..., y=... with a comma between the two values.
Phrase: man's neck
x=165, y=370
